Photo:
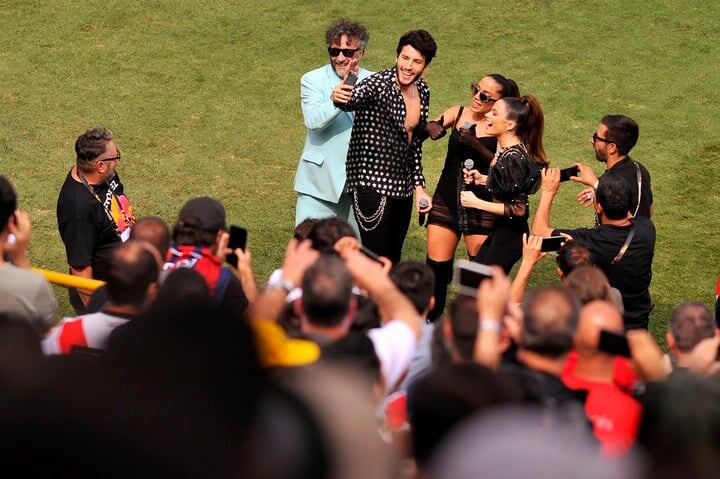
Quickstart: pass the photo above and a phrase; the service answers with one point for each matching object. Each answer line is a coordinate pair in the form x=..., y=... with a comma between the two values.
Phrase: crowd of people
x=348, y=362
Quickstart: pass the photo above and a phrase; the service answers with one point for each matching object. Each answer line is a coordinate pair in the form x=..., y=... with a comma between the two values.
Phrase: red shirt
x=614, y=413
x=200, y=259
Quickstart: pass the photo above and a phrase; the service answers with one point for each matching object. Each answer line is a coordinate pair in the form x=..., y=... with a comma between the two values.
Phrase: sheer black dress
x=511, y=180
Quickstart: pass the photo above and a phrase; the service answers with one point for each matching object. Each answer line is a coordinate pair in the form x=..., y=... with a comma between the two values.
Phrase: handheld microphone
x=421, y=216
x=468, y=165
x=462, y=214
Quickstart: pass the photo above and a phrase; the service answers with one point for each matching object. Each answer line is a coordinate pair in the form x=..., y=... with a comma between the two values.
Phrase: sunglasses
x=114, y=158
x=595, y=138
x=484, y=97
x=348, y=52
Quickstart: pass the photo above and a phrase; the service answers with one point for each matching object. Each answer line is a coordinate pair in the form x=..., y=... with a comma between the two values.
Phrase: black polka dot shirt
x=379, y=155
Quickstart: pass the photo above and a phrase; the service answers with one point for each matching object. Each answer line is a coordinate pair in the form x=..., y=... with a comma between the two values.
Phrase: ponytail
x=530, y=120
x=509, y=87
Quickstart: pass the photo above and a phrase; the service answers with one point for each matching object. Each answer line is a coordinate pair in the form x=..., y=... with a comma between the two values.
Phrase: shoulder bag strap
x=639, y=182
x=624, y=247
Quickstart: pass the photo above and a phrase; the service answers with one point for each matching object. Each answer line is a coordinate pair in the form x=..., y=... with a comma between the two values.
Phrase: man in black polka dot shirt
x=384, y=161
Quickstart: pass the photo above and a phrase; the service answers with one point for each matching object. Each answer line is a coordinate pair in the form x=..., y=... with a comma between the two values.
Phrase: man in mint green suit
x=320, y=176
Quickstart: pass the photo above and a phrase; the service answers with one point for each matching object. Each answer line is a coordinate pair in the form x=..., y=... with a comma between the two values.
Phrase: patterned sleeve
x=363, y=94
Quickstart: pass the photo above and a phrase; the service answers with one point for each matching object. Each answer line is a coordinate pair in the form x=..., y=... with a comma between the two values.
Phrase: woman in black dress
x=468, y=141
x=517, y=124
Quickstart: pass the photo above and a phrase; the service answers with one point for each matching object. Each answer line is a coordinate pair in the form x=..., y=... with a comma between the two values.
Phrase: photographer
x=623, y=246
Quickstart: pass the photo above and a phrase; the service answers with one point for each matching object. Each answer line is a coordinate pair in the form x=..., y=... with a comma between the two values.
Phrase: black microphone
x=421, y=216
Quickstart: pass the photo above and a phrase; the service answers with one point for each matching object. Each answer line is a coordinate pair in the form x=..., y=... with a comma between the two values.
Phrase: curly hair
x=346, y=27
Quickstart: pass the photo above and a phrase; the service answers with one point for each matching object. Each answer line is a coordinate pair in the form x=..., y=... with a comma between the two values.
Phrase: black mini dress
x=447, y=210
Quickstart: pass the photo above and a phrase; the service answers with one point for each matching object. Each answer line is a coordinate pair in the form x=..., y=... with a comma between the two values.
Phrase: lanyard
x=95, y=195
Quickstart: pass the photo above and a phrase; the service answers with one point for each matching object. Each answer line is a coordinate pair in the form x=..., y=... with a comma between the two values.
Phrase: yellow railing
x=70, y=281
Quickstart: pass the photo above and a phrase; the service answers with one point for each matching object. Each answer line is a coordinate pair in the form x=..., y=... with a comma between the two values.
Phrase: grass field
x=203, y=98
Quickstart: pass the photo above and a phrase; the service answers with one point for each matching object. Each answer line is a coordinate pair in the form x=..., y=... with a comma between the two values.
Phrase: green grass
x=203, y=98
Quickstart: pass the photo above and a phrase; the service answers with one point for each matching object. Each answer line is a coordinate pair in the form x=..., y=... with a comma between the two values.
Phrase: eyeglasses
x=114, y=158
x=484, y=97
x=595, y=138
x=348, y=52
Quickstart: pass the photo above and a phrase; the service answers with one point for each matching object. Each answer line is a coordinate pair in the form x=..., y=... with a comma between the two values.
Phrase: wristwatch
x=281, y=283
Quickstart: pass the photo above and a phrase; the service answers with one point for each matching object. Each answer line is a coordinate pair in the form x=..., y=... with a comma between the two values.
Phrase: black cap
x=209, y=212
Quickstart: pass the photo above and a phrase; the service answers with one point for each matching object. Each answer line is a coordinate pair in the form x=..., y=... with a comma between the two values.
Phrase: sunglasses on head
x=348, y=52
x=484, y=97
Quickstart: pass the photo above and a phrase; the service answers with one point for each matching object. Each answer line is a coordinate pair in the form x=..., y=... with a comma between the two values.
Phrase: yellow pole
x=69, y=281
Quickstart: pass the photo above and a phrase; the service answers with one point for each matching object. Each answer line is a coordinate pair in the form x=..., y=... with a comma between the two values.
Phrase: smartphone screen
x=351, y=79
x=238, y=239
x=613, y=343
x=566, y=173
x=552, y=243
x=370, y=254
x=469, y=275
x=467, y=125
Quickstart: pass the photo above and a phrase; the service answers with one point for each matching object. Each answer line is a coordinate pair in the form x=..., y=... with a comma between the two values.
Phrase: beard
x=414, y=80
x=601, y=157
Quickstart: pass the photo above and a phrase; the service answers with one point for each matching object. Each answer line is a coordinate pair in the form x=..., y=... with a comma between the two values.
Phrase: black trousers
x=387, y=232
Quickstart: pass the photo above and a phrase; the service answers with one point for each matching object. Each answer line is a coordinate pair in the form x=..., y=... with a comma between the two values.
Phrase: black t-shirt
x=627, y=170
x=633, y=273
x=87, y=231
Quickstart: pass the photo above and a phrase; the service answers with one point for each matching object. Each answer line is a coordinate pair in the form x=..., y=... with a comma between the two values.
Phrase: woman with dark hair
x=517, y=124
x=468, y=141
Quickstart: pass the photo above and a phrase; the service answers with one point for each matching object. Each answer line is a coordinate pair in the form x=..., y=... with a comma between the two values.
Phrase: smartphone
x=469, y=275
x=467, y=125
x=566, y=173
x=552, y=243
x=351, y=79
x=371, y=254
x=613, y=343
x=238, y=239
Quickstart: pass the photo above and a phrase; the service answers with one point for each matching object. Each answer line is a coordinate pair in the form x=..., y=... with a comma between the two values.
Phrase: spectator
x=200, y=242
x=570, y=256
x=132, y=272
x=492, y=444
x=150, y=229
x=93, y=213
x=333, y=235
x=549, y=325
x=302, y=230
x=622, y=246
x=607, y=379
x=678, y=432
x=615, y=137
x=327, y=307
x=417, y=282
x=25, y=293
x=329, y=236
x=440, y=401
x=589, y=283
x=690, y=324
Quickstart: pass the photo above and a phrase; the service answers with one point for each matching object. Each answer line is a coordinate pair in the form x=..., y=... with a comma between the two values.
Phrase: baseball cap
x=208, y=211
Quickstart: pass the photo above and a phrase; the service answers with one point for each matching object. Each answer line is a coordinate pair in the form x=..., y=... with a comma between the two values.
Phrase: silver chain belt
x=375, y=218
